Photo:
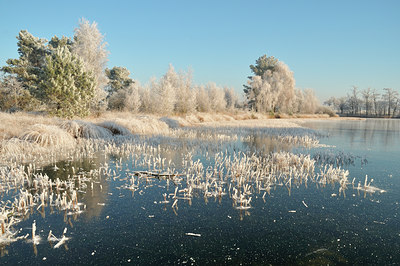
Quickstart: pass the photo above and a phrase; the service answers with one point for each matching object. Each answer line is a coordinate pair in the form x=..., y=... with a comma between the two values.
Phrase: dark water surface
x=308, y=225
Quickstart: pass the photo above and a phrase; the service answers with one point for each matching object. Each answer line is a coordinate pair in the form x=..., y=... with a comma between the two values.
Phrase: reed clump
x=47, y=135
x=87, y=130
x=115, y=128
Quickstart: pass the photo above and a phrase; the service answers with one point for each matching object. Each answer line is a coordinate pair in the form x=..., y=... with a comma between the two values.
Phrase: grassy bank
x=17, y=124
x=27, y=137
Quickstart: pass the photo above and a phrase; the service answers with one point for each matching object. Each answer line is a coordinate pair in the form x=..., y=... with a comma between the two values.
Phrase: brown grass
x=48, y=135
x=13, y=125
x=110, y=123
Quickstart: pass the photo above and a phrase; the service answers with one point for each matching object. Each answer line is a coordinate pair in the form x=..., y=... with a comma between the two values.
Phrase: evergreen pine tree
x=67, y=88
x=118, y=78
x=28, y=67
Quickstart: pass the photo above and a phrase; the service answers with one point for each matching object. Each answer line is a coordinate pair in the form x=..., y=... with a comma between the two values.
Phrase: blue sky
x=329, y=45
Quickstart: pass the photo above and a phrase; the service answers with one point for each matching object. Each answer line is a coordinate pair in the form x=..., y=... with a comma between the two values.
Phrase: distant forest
x=367, y=103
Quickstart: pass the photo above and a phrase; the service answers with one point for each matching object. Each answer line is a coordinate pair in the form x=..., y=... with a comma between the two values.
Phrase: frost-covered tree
x=231, y=98
x=173, y=93
x=66, y=86
x=271, y=89
x=171, y=77
x=28, y=67
x=56, y=42
x=298, y=103
x=146, y=99
x=263, y=64
x=216, y=96
x=202, y=99
x=14, y=97
x=164, y=93
x=90, y=46
x=32, y=66
x=310, y=102
x=282, y=83
x=123, y=91
x=260, y=97
x=132, y=98
x=185, y=95
x=305, y=102
x=118, y=78
x=126, y=99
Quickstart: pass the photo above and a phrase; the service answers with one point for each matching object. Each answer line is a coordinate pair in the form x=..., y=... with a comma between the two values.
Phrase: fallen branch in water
x=152, y=174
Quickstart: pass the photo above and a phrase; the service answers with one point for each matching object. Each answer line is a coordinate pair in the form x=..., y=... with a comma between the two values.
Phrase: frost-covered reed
x=240, y=175
x=35, y=191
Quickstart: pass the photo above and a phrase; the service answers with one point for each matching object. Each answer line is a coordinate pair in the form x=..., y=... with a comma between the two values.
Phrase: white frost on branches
x=274, y=91
x=90, y=46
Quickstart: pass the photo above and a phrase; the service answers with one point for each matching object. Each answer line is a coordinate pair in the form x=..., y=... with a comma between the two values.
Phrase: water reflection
x=378, y=133
x=264, y=144
x=96, y=193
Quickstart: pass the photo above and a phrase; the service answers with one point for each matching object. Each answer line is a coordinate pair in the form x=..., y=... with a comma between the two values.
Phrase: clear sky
x=329, y=45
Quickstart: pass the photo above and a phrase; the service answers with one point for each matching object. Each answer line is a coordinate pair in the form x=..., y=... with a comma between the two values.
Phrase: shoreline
x=16, y=124
x=26, y=137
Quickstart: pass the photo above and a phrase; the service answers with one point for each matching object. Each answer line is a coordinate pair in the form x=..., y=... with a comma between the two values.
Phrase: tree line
x=68, y=77
x=368, y=103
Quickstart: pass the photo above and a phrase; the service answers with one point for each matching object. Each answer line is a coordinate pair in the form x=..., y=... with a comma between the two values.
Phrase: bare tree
x=332, y=102
x=391, y=97
x=343, y=104
x=353, y=100
x=374, y=98
x=367, y=100
x=396, y=104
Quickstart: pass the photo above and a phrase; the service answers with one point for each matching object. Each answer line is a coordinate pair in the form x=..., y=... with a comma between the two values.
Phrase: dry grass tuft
x=82, y=129
x=143, y=125
x=13, y=125
x=48, y=135
x=116, y=129
x=15, y=146
x=72, y=127
x=171, y=122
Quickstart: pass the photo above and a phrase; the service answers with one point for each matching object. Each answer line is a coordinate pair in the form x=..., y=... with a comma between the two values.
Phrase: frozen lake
x=205, y=212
